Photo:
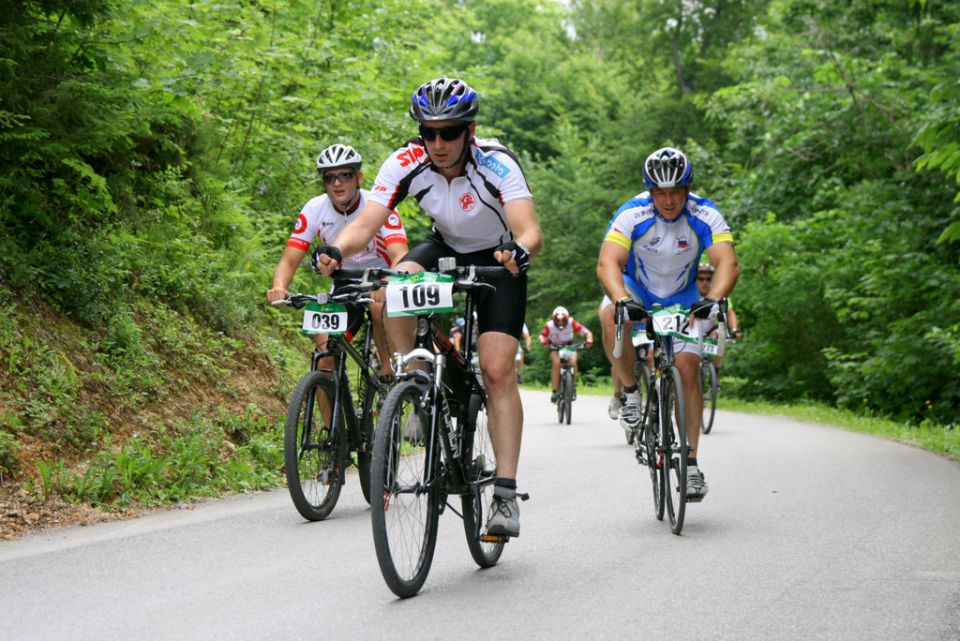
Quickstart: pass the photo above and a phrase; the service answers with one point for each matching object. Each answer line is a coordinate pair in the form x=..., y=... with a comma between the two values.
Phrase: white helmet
x=338, y=156
x=560, y=316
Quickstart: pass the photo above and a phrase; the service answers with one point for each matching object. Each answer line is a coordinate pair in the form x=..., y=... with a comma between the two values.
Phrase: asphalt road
x=809, y=532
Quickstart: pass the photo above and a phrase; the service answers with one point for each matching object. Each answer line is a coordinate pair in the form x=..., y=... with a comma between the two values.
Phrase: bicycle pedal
x=494, y=538
x=523, y=496
x=694, y=498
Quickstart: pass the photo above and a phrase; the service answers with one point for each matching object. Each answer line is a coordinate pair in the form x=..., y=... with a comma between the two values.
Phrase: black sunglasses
x=329, y=179
x=449, y=134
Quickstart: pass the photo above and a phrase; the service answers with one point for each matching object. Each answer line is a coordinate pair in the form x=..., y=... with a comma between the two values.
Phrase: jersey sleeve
x=392, y=231
x=393, y=180
x=305, y=229
x=621, y=227
x=514, y=185
x=710, y=226
x=579, y=329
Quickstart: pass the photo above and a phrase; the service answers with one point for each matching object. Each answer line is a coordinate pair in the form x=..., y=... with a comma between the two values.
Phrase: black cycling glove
x=330, y=251
x=634, y=310
x=519, y=253
x=704, y=308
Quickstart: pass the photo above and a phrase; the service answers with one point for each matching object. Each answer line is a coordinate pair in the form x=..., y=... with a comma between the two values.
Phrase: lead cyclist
x=649, y=255
x=483, y=214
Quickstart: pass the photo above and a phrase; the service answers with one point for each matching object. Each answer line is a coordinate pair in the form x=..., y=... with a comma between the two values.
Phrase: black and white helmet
x=444, y=99
x=338, y=156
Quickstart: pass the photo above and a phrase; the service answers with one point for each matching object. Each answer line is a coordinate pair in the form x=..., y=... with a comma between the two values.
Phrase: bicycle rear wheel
x=480, y=466
x=368, y=423
x=708, y=381
x=406, y=508
x=674, y=448
x=314, y=466
x=567, y=399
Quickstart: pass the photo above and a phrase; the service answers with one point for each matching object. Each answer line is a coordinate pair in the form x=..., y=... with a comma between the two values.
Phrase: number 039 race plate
x=324, y=319
x=420, y=293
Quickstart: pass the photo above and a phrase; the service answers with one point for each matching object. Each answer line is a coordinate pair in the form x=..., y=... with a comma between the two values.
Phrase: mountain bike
x=432, y=439
x=709, y=381
x=567, y=387
x=327, y=417
x=660, y=441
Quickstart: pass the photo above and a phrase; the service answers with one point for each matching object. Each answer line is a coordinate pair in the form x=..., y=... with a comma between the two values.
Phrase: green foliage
x=187, y=462
x=153, y=156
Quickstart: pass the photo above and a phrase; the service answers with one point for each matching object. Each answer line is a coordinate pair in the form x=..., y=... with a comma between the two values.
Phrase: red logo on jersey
x=379, y=187
x=301, y=224
x=467, y=202
x=393, y=222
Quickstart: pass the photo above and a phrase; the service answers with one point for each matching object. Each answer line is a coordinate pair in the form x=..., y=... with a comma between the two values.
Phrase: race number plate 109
x=420, y=293
x=324, y=319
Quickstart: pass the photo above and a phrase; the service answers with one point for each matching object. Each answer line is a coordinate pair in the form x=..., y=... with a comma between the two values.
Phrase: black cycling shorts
x=502, y=310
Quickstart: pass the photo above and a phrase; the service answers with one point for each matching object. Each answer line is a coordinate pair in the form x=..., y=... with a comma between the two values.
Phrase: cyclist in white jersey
x=483, y=214
x=324, y=217
x=650, y=255
x=558, y=331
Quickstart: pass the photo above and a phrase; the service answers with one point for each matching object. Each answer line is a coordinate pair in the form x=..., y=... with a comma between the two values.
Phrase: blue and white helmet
x=444, y=99
x=667, y=167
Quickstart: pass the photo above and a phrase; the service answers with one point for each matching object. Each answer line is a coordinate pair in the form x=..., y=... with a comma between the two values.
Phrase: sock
x=505, y=488
x=691, y=461
x=631, y=389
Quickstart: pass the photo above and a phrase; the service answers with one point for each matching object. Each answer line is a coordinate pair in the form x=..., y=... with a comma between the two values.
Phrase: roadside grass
x=935, y=438
x=940, y=439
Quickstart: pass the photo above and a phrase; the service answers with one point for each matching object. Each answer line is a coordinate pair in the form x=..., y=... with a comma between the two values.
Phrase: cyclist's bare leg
x=505, y=411
x=378, y=312
x=574, y=364
x=554, y=370
x=325, y=363
x=401, y=330
x=689, y=366
x=621, y=368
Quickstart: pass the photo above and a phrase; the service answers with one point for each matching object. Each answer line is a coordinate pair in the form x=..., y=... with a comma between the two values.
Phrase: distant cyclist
x=650, y=255
x=704, y=279
x=324, y=217
x=557, y=332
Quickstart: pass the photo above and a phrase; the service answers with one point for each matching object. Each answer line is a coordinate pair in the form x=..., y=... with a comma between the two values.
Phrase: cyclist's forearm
x=287, y=267
x=357, y=234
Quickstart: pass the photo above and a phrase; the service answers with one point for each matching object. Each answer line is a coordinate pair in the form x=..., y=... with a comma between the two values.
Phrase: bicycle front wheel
x=651, y=445
x=708, y=380
x=405, y=518
x=561, y=408
x=313, y=452
x=480, y=466
x=568, y=395
x=675, y=451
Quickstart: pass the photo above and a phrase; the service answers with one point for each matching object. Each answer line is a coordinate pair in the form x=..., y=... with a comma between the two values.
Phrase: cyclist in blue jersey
x=650, y=255
x=483, y=214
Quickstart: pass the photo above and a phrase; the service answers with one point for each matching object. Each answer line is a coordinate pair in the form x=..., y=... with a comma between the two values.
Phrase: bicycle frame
x=340, y=348
x=440, y=427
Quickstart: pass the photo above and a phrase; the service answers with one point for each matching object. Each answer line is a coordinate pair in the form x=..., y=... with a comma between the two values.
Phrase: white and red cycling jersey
x=467, y=212
x=562, y=335
x=320, y=219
